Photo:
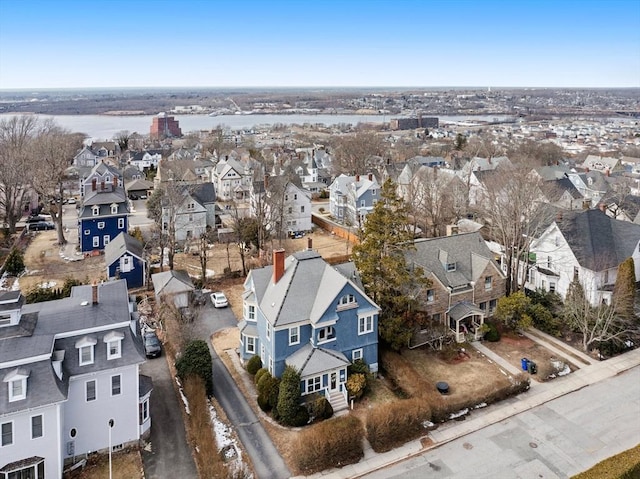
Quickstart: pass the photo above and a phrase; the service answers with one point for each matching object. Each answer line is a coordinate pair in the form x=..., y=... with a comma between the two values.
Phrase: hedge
x=392, y=424
x=333, y=443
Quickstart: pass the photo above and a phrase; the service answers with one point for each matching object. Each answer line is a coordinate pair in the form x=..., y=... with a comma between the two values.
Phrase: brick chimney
x=94, y=294
x=94, y=183
x=357, y=178
x=309, y=244
x=115, y=182
x=370, y=177
x=278, y=264
x=602, y=207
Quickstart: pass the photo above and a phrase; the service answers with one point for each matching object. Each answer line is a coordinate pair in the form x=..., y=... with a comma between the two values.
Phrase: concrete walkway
x=538, y=394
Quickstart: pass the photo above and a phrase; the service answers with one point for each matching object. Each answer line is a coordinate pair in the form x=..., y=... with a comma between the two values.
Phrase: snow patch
x=460, y=413
x=183, y=397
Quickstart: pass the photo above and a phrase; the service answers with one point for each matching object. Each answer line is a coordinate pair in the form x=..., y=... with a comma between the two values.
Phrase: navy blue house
x=103, y=216
x=123, y=257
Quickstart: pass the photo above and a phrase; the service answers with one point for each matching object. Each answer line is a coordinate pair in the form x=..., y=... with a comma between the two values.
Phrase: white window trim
x=95, y=211
x=81, y=362
x=356, y=352
x=252, y=349
x=101, y=225
x=326, y=340
x=269, y=331
x=118, y=345
x=316, y=384
x=96, y=241
x=294, y=331
x=23, y=386
x=120, y=223
x=106, y=239
x=95, y=390
x=363, y=327
x=41, y=426
x=12, y=434
x=119, y=393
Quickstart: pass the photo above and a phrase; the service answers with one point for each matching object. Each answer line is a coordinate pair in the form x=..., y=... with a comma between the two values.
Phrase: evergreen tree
x=15, y=262
x=289, y=396
x=380, y=260
x=625, y=289
x=196, y=360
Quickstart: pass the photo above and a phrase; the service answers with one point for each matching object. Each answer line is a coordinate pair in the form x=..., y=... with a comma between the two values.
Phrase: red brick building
x=164, y=126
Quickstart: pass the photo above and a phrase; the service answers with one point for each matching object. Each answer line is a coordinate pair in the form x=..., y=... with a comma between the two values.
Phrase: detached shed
x=123, y=258
x=175, y=286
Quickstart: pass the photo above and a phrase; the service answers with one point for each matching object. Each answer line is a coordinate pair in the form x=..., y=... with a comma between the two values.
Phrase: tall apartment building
x=165, y=126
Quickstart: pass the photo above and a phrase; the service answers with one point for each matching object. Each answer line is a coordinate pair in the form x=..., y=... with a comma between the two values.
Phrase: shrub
x=14, y=264
x=259, y=374
x=333, y=443
x=254, y=364
x=319, y=407
x=356, y=385
x=301, y=417
x=544, y=320
x=261, y=383
x=289, y=397
x=513, y=310
x=358, y=366
x=268, y=393
x=196, y=360
x=492, y=334
x=392, y=424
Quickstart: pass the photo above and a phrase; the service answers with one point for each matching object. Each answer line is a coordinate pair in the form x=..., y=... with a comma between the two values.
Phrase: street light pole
x=111, y=423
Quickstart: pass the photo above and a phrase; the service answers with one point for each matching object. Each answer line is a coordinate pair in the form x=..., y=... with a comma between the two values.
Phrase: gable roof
x=469, y=252
x=204, y=193
x=171, y=282
x=307, y=288
x=310, y=361
x=120, y=245
x=597, y=241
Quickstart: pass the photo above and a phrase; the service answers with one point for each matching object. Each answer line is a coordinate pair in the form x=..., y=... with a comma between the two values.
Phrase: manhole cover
x=467, y=445
x=533, y=445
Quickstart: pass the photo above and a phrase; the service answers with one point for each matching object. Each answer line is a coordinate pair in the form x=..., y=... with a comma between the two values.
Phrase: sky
x=325, y=43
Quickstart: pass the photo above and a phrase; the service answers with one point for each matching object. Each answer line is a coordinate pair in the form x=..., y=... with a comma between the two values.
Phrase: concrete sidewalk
x=538, y=394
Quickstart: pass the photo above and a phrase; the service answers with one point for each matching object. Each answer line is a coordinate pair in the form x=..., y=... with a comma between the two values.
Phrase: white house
x=69, y=368
x=232, y=179
x=589, y=246
x=286, y=207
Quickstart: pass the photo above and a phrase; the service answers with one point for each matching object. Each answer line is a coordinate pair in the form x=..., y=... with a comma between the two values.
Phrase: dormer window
x=114, y=209
x=451, y=267
x=326, y=334
x=346, y=300
x=95, y=211
x=114, y=344
x=17, y=382
x=85, y=347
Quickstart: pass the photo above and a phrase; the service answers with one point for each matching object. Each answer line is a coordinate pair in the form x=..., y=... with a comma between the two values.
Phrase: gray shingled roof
x=119, y=245
x=171, y=282
x=310, y=361
x=463, y=309
x=597, y=241
x=468, y=251
x=307, y=288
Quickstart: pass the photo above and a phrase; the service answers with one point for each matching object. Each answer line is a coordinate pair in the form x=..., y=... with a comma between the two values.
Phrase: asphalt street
x=559, y=439
x=265, y=458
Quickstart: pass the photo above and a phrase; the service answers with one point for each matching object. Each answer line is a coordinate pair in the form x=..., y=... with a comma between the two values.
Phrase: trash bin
x=524, y=362
x=532, y=367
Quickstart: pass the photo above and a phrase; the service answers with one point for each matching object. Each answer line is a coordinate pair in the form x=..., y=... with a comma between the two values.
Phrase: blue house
x=351, y=198
x=305, y=313
x=103, y=216
x=123, y=257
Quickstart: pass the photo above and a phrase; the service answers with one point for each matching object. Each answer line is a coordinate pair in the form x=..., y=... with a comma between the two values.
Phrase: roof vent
x=84, y=303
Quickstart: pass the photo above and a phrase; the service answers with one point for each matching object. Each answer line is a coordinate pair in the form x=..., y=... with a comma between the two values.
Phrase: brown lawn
x=513, y=348
x=44, y=264
x=125, y=465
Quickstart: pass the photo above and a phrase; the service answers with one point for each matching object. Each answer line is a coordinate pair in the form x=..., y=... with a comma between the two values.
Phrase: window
x=483, y=306
x=32, y=468
x=431, y=295
x=252, y=313
x=190, y=217
x=100, y=225
x=17, y=389
x=295, y=196
x=116, y=385
x=106, y=239
x=113, y=341
x=90, y=387
x=314, y=384
x=114, y=209
x=87, y=232
x=492, y=306
x=95, y=211
x=548, y=261
x=290, y=210
x=144, y=411
x=451, y=267
x=575, y=272
x=374, y=192
x=96, y=241
x=347, y=299
x=543, y=284
x=268, y=331
x=363, y=203
x=356, y=354
x=365, y=324
x=488, y=282
x=86, y=355
x=120, y=223
x=302, y=209
x=36, y=426
x=294, y=335
x=436, y=317
x=5, y=319
x=250, y=344
x=326, y=334
x=7, y=433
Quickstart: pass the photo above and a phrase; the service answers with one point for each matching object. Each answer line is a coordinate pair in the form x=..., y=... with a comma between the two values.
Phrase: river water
x=104, y=127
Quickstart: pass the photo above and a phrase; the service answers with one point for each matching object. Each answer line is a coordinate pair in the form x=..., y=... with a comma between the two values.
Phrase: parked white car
x=219, y=300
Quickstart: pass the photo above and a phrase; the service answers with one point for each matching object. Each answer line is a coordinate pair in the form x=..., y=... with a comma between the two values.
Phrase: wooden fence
x=334, y=228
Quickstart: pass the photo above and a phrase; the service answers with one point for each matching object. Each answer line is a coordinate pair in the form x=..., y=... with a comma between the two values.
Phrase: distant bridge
x=632, y=114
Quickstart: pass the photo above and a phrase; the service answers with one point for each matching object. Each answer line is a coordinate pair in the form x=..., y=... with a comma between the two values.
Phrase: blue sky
x=189, y=43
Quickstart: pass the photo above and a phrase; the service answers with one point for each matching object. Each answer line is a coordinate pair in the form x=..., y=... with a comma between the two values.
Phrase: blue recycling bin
x=524, y=362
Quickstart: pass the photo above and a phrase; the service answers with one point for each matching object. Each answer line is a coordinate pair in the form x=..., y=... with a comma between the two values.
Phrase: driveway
x=170, y=455
x=265, y=458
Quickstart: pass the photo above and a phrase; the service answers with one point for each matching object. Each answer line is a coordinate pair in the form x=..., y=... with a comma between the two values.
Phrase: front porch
x=466, y=321
x=322, y=371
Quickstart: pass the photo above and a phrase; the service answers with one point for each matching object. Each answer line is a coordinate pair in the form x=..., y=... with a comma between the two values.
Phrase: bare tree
x=352, y=151
x=511, y=204
x=16, y=136
x=53, y=150
x=122, y=138
x=434, y=197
